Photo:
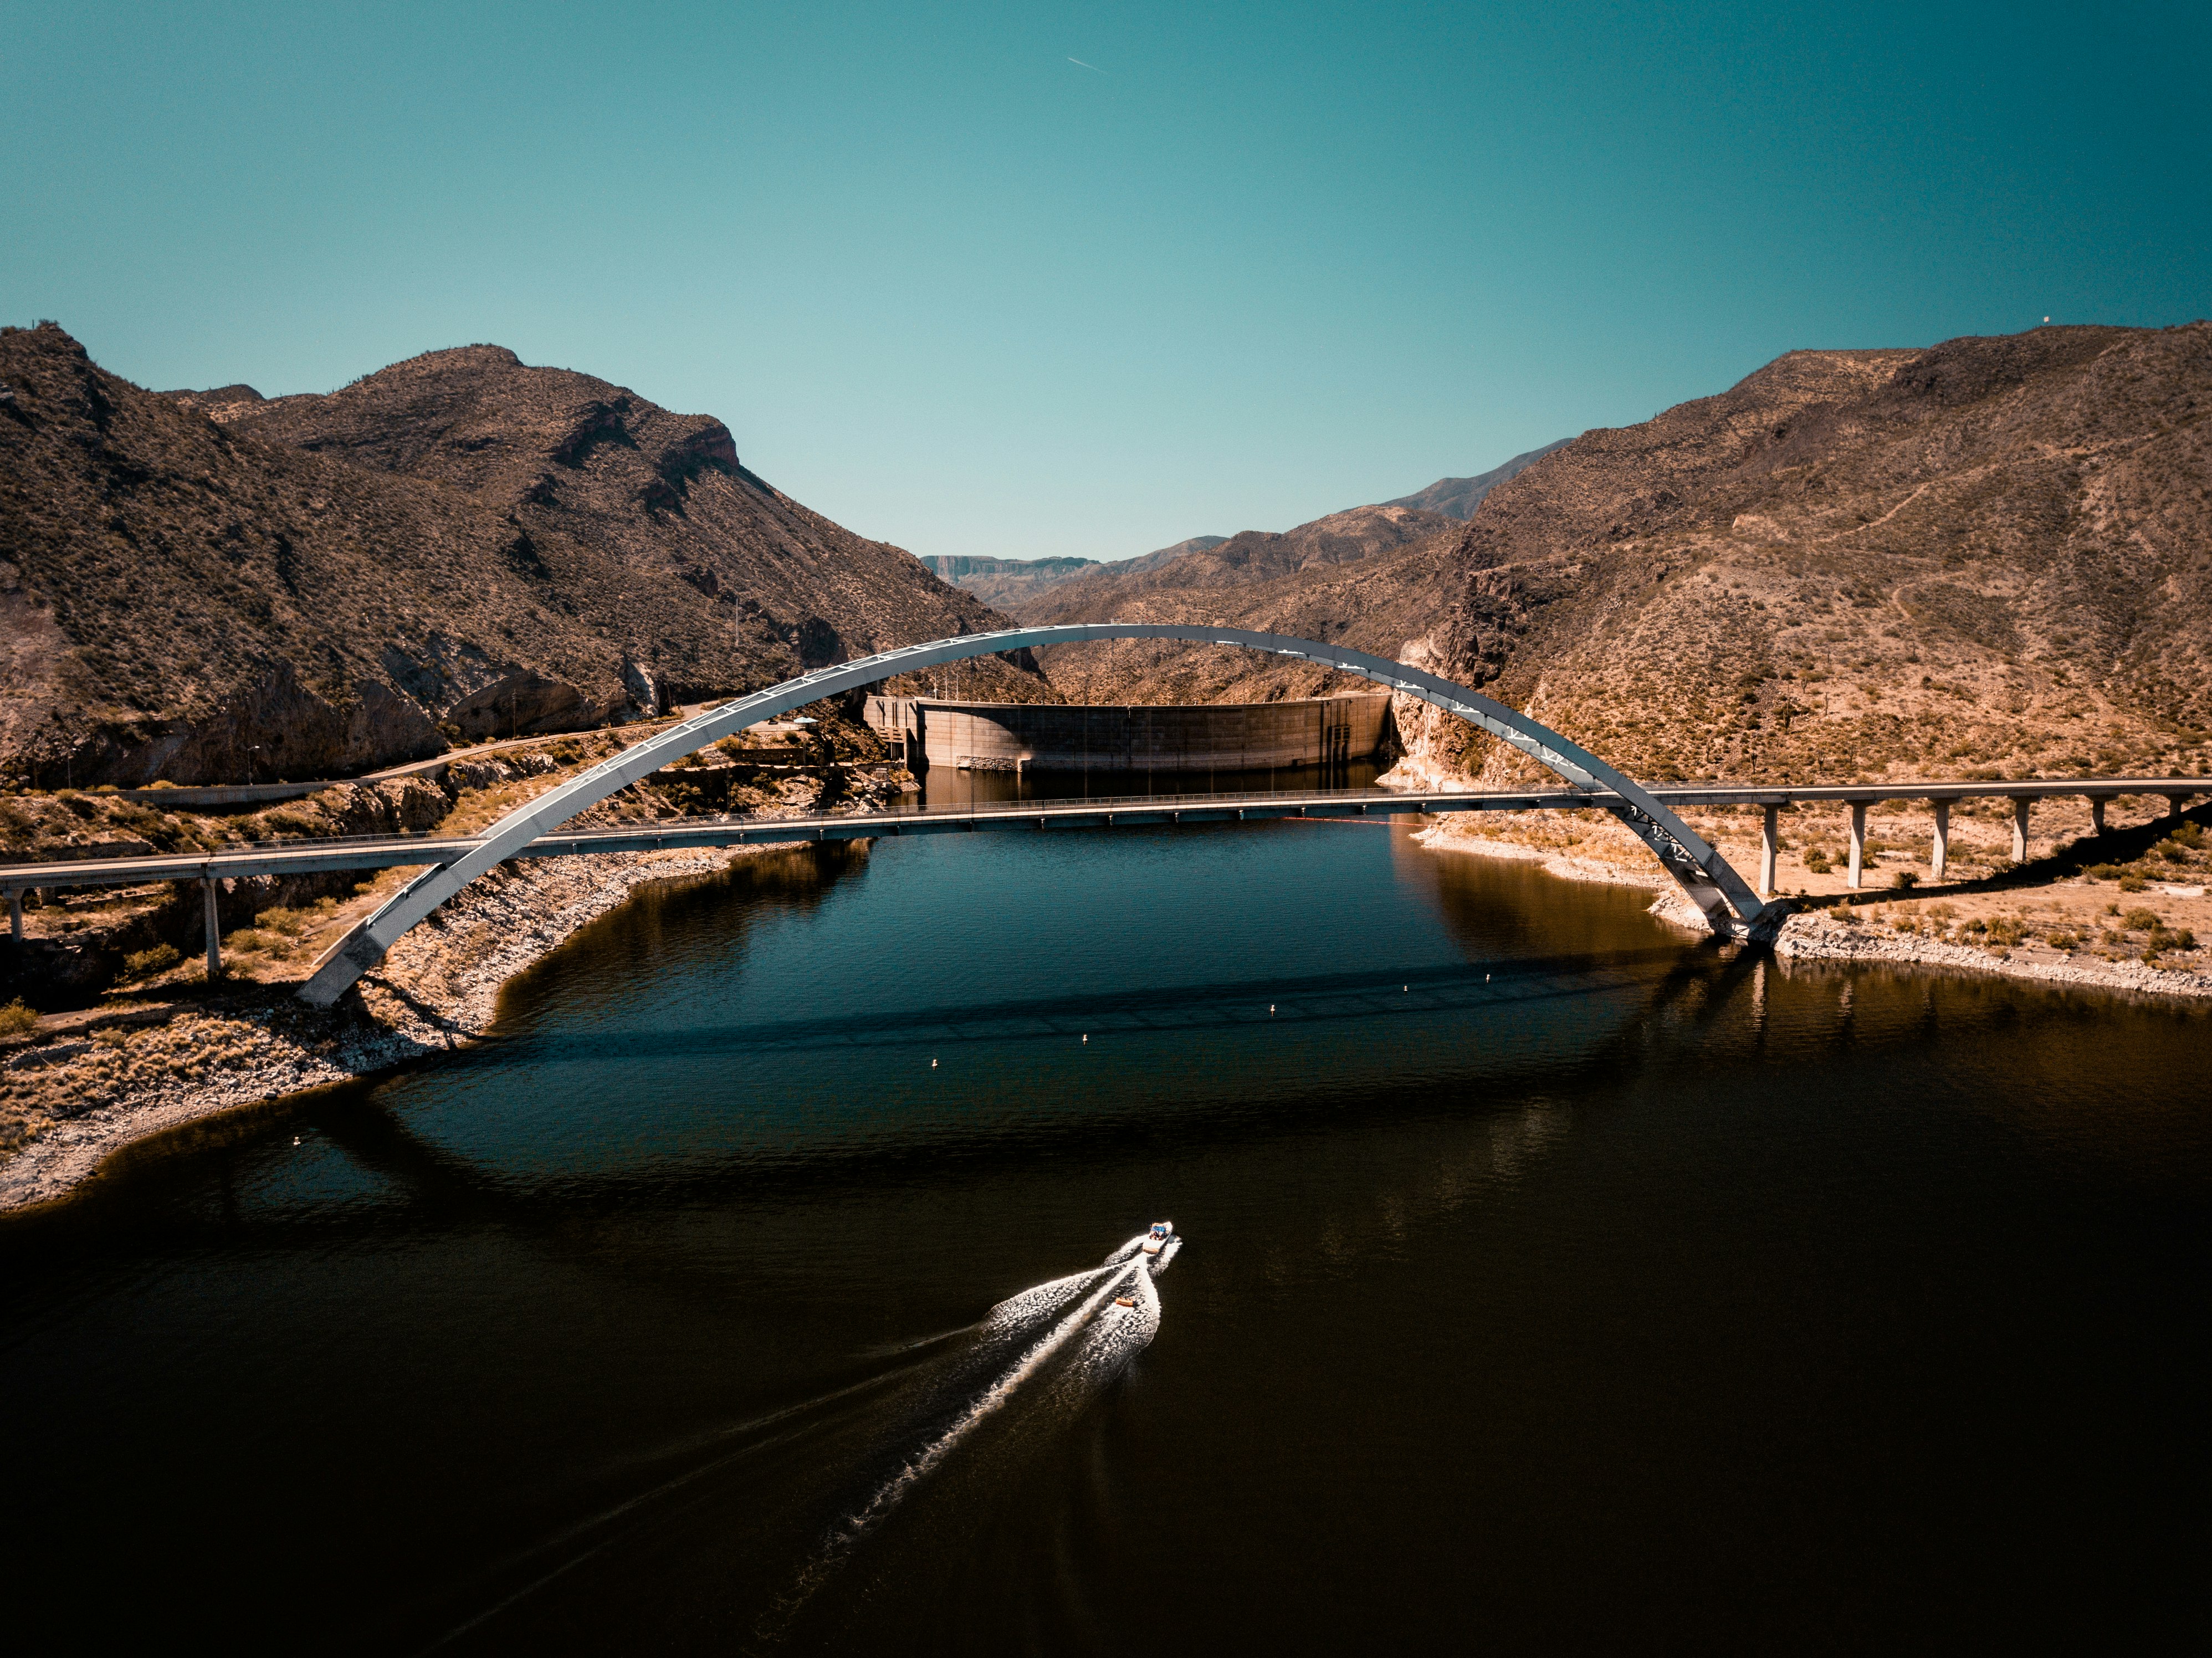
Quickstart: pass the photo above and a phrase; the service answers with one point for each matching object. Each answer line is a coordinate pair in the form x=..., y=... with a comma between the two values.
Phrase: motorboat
x=1124, y=1301
x=1157, y=1239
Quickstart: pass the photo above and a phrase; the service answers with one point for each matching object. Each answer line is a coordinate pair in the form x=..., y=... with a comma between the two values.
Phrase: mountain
x=1459, y=497
x=1237, y=560
x=1003, y=583
x=1991, y=554
x=1994, y=553
x=457, y=546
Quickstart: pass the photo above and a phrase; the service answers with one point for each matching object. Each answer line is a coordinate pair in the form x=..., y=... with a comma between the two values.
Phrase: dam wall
x=1200, y=737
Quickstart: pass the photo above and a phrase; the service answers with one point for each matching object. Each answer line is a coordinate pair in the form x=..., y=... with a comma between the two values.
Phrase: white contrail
x=1093, y=68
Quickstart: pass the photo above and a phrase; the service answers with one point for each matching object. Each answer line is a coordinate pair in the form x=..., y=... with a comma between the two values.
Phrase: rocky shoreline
x=1815, y=936
x=438, y=990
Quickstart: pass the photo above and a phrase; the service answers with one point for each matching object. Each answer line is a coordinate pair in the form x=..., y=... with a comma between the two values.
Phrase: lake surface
x=1548, y=1282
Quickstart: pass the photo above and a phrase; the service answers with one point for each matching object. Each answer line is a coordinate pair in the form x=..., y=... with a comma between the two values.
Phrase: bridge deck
x=397, y=851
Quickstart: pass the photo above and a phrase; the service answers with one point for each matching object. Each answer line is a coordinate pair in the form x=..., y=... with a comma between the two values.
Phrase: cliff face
x=1994, y=555
x=460, y=546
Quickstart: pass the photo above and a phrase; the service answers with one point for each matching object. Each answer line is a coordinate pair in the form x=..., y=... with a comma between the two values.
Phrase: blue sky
x=1255, y=264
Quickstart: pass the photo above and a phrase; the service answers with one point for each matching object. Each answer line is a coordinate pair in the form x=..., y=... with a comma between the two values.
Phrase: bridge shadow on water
x=1312, y=1000
x=425, y=1186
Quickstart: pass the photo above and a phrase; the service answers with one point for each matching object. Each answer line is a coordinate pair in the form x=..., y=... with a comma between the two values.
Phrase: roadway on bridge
x=407, y=851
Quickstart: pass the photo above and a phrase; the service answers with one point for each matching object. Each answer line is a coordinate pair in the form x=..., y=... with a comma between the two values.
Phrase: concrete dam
x=1322, y=732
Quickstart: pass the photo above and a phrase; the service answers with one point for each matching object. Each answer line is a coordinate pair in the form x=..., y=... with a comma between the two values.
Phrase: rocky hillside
x=1994, y=555
x=1359, y=575
x=456, y=547
x=1459, y=497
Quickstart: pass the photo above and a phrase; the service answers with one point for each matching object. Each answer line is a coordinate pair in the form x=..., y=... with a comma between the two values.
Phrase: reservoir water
x=1547, y=1281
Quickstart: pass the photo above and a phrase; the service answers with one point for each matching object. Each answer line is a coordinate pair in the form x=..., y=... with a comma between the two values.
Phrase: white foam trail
x=991, y=1398
x=1160, y=1262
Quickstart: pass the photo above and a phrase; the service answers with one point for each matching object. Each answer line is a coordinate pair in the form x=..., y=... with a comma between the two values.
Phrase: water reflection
x=1521, y=1228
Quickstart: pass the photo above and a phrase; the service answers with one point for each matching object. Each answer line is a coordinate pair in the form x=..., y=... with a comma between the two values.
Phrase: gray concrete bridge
x=532, y=831
x=366, y=853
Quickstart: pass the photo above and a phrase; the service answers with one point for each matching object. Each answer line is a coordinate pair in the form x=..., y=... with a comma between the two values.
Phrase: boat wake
x=1057, y=1343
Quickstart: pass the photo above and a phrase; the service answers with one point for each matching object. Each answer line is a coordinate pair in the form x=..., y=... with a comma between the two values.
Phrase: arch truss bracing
x=1722, y=895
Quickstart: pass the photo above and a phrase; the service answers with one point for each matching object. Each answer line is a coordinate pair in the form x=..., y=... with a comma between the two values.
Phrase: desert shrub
x=1816, y=862
x=2103, y=872
x=286, y=921
x=2006, y=931
x=82, y=805
x=291, y=821
x=1976, y=926
x=246, y=942
x=2140, y=920
x=1905, y=880
x=1842, y=913
x=2132, y=882
x=2190, y=835
x=1943, y=912
x=2064, y=941
x=145, y=963
x=17, y=1020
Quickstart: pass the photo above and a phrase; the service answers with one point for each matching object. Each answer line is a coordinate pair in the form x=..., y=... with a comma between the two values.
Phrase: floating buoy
x=1485, y=978
x=295, y=1139
x=932, y=1064
x=1086, y=1035
x=1270, y=1008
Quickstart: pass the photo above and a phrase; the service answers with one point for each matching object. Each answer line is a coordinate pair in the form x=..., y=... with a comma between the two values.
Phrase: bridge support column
x=2019, y=806
x=1767, y=841
x=16, y=913
x=2175, y=803
x=1858, y=843
x=214, y=933
x=2097, y=812
x=1939, y=850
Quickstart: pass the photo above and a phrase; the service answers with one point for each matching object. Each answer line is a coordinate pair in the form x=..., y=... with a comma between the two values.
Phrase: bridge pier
x=2175, y=804
x=2097, y=812
x=1939, y=848
x=2020, y=803
x=16, y=913
x=214, y=931
x=1766, y=843
x=1858, y=843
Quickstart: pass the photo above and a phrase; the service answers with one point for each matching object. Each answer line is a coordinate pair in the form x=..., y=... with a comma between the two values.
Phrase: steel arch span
x=1722, y=895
